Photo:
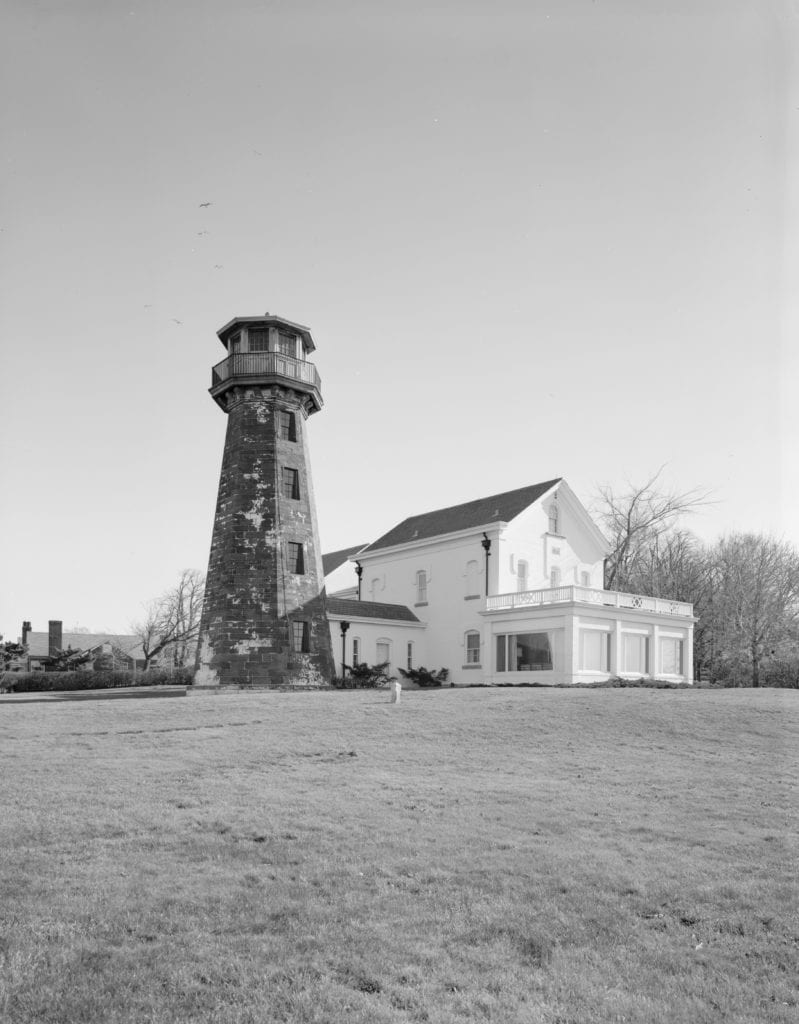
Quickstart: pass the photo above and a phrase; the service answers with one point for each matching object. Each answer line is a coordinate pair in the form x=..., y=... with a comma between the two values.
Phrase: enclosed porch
x=582, y=635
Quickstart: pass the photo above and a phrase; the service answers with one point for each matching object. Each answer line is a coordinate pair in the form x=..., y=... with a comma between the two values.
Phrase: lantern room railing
x=265, y=364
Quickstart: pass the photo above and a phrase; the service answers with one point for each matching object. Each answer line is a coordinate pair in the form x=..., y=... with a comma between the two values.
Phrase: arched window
x=521, y=575
x=472, y=644
x=374, y=586
x=421, y=587
x=553, y=518
x=383, y=652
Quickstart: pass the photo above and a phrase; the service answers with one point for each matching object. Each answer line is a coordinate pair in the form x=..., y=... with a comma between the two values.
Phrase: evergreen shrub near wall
x=42, y=682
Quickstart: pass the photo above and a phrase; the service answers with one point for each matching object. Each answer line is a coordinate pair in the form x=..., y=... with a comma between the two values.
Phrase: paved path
x=116, y=693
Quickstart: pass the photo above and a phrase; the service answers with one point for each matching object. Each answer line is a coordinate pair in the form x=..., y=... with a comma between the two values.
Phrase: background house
x=508, y=589
x=117, y=652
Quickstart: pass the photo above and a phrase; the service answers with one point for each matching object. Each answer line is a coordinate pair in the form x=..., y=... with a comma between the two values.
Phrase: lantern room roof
x=267, y=320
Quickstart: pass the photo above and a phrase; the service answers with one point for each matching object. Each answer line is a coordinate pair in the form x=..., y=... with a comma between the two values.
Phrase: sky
x=531, y=239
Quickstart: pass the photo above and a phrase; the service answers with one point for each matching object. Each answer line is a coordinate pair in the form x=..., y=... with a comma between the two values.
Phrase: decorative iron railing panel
x=588, y=595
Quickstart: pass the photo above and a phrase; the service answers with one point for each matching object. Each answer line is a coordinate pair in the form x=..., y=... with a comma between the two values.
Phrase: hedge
x=40, y=682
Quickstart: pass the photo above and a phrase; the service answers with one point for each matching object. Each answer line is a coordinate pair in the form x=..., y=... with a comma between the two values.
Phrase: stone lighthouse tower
x=264, y=621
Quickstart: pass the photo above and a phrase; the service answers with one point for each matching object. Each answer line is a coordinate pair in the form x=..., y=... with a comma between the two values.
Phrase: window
x=383, y=652
x=524, y=652
x=296, y=559
x=585, y=579
x=472, y=648
x=291, y=483
x=594, y=650
x=258, y=338
x=286, y=428
x=552, y=526
x=356, y=650
x=636, y=653
x=421, y=587
x=554, y=577
x=234, y=343
x=286, y=344
x=671, y=663
x=410, y=656
x=472, y=585
x=521, y=576
x=301, y=636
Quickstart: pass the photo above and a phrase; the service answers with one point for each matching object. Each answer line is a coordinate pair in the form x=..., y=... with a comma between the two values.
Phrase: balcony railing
x=265, y=364
x=587, y=595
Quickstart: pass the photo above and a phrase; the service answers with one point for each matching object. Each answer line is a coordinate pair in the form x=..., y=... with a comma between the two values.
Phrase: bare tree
x=172, y=621
x=754, y=607
x=640, y=522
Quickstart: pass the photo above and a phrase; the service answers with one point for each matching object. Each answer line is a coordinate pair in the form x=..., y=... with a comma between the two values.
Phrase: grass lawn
x=569, y=857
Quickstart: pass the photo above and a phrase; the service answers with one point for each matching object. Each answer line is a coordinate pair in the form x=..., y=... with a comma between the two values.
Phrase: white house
x=505, y=589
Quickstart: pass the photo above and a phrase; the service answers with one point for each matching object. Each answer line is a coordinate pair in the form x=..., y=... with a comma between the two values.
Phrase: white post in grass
x=396, y=691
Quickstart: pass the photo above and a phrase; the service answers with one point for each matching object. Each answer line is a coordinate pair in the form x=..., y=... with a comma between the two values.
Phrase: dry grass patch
x=567, y=857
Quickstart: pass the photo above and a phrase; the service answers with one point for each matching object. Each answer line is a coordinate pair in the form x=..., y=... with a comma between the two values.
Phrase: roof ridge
x=399, y=534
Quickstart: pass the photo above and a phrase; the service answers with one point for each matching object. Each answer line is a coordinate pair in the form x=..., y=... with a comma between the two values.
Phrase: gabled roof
x=39, y=643
x=334, y=559
x=500, y=508
x=369, y=610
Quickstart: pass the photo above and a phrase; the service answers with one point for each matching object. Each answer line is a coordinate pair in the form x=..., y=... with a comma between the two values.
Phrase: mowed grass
x=529, y=855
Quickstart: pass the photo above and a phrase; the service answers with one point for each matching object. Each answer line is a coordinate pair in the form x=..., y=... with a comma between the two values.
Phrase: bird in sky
x=174, y=321
x=218, y=266
x=205, y=204
x=202, y=232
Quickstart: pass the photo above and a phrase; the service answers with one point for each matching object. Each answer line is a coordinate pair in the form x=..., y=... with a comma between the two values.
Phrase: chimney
x=55, y=636
x=26, y=628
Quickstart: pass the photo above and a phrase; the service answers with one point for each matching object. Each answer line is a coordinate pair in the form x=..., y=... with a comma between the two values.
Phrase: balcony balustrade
x=265, y=364
x=587, y=595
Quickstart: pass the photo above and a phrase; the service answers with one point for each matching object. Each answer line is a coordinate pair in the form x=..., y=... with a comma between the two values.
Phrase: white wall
x=573, y=549
x=449, y=611
x=370, y=632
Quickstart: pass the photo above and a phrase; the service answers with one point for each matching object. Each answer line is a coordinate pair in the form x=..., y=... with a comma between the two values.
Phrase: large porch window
x=671, y=663
x=636, y=653
x=523, y=652
x=594, y=650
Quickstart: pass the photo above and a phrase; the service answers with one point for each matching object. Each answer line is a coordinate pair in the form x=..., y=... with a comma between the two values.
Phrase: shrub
x=425, y=677
x=42, y=682
x=363, y=676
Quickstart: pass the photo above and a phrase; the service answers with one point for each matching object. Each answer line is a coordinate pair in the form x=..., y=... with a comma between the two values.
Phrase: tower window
x=296, y=558
x=287, y=344
x=286, y=427
x=234, y=343
x=553, y=519
x=554, y=577
x=421, y=587
x=291, y=483
x=258, y=339
x=301, y=635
